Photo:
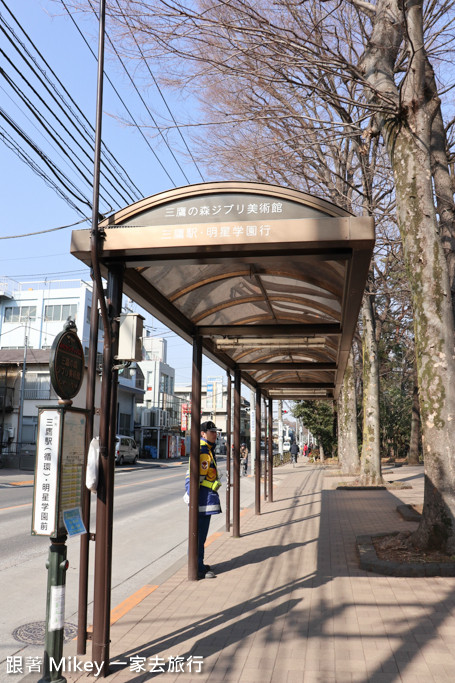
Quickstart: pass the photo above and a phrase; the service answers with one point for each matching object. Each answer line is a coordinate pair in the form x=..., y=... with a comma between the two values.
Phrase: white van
x=286, y=446
x=126, y=449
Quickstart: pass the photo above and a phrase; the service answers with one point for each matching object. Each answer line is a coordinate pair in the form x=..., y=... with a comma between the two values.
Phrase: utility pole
x=20, y=416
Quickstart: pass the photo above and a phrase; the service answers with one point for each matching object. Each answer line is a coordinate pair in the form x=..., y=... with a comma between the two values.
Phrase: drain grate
x=35, y=633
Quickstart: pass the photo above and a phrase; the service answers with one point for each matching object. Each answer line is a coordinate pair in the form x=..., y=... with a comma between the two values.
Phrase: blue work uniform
x=208, y=500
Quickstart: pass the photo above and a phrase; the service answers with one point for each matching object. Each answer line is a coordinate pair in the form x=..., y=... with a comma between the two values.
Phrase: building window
x=165, y=384
x=125, y=424
x=60, y=312
x=29, y=430
x=37, y=385
x=19, y=314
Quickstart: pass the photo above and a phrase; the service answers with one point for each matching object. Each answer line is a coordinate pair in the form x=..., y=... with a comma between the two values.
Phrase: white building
x=31, y=315
x=213, y=404
x=160, y=412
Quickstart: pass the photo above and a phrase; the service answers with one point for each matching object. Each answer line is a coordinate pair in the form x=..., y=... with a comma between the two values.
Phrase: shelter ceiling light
x=278, y=342
x=300, y=393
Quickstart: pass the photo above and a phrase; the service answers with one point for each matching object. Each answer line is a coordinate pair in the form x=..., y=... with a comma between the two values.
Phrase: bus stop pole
x=228, y=450
x=257, y=473
x=236, y=476
x=194, y=458
x=270, y=450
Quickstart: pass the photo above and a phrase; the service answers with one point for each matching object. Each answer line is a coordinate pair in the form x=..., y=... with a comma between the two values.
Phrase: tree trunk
x=407, y=135
x=348, y=451
x=414, y=440
x=370, y=462
x=433, y=323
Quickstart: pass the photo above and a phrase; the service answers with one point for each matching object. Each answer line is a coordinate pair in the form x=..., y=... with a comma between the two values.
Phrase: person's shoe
x=206, y=575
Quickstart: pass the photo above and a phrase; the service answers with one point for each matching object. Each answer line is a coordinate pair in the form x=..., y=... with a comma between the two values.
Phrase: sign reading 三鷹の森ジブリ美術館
x=66, y=364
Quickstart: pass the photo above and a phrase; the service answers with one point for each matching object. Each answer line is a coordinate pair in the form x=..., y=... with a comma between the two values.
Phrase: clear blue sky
x=28, y=204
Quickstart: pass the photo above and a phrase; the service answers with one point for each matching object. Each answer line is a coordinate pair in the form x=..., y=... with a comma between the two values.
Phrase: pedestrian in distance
x=294, y=451
x=209, y=484
x=244, y=458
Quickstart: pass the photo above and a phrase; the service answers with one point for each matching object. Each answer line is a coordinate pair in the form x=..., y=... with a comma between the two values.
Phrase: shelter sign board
x=59, y=468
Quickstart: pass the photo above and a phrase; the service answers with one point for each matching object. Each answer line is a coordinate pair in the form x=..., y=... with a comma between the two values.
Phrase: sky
x=28, y=204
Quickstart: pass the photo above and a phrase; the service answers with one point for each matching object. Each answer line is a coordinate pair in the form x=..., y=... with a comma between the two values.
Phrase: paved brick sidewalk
x=289, y=602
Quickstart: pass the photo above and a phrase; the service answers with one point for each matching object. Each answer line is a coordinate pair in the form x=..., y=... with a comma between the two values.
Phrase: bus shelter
x=264, y=280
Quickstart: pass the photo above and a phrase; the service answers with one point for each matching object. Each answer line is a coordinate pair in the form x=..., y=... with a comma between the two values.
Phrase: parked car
x=126, y=449
x=286, y=446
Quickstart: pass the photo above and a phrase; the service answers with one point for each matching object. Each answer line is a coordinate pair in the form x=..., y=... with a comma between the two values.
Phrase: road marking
x=213, y=537
x=21, y=483
x=145, y=481
x=14, y=507
x=130, y=602
x=124, y=607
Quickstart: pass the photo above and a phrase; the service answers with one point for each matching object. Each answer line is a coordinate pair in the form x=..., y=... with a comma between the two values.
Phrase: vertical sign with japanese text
x=45, y=501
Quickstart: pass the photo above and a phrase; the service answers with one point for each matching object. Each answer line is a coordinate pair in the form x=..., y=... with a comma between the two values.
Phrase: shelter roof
x=271, y=278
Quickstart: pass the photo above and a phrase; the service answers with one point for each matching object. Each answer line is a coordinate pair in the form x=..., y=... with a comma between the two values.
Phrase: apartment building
x=32, y=313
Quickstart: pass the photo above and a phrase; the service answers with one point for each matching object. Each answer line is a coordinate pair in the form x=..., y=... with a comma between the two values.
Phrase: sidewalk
x=290, y=603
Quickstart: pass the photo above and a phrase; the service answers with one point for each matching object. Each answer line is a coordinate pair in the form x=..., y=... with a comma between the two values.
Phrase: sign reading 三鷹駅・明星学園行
x=59, y=468
x=66, y=364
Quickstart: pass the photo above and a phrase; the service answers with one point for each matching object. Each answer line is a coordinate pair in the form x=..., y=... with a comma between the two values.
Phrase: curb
x=370, y=562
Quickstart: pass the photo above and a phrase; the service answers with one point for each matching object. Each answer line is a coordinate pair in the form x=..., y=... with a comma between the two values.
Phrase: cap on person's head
x=208, y=426
x=243, y=444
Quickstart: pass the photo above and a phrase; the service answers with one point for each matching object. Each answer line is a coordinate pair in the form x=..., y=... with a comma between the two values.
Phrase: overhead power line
x=23, y=156
x=42, y=232
x=71, y=157
x=66, y=182
x=145, y=61
x=71, y=112
x=120, y=97
x=113, y=172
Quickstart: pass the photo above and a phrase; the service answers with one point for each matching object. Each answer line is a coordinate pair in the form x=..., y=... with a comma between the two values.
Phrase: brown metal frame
x=194, y=459
x=228, y=450
x=236, y=474
x=257, y=455
x=270, y=451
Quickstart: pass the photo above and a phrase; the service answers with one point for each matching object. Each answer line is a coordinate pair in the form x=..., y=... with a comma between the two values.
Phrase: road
x=149, y=542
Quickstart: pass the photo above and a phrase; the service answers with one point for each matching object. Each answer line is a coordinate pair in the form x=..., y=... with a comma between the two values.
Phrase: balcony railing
x=42, y=394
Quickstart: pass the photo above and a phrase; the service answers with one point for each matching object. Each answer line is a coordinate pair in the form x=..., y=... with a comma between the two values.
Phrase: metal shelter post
x=270, y=451
x=85, y=538
x=257, y=474
x=228, y=450
x=194, y=458
x=236, y=475
x=266, y=451
x=105, y=492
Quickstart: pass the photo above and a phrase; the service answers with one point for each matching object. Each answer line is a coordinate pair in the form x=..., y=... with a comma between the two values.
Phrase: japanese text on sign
x=46, y=476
